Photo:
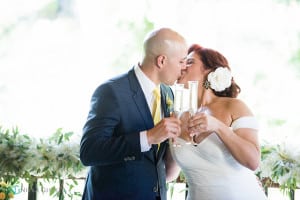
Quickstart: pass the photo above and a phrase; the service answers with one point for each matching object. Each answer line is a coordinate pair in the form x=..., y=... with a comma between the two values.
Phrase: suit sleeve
x=102, y=142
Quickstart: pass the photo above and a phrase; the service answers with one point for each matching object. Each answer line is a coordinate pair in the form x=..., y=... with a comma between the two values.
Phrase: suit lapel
x=166, y=100
x=141, y=103
x=140, y=100
x=167, y=108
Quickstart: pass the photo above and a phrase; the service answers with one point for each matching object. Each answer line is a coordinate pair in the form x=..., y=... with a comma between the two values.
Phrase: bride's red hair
x=211, y=60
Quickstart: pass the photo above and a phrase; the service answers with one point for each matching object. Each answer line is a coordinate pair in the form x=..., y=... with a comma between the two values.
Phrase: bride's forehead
x=193, y=55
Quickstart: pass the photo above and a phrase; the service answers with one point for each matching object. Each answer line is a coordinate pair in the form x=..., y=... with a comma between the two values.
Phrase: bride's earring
x=206, y=84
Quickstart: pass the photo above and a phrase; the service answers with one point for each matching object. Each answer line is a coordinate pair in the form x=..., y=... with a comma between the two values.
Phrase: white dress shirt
x=147, y=86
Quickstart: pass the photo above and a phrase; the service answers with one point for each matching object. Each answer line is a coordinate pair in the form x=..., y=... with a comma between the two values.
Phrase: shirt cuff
x=144, y=141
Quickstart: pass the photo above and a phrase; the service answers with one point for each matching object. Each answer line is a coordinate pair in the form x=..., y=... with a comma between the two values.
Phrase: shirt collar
x=147, y=84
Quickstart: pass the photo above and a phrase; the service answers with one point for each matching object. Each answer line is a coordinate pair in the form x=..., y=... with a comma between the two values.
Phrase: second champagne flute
x=193, y=105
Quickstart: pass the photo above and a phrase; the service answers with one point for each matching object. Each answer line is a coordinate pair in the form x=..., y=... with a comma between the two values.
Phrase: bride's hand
x=201, y=123
x=184, y=118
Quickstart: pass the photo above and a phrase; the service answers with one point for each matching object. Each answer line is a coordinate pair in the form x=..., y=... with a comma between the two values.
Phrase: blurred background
x=54, y=53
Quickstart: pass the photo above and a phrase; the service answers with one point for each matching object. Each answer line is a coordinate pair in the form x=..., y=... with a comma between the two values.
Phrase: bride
x=225, y=151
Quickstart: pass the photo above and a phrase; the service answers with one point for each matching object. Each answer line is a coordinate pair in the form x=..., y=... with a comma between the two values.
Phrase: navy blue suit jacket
x=110, y=144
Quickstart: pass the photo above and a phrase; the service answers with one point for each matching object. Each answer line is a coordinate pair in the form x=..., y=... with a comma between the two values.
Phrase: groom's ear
x=160, y=61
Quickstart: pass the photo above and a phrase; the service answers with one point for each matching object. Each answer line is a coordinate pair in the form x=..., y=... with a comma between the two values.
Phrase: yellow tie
x=156, y=112
x=156, y=106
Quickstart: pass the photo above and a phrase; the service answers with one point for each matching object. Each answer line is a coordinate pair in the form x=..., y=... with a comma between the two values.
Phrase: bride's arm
x=242, y=143
x=172, y=169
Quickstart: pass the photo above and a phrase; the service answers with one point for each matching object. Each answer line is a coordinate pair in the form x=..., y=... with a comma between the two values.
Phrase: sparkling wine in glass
x=193, y=89
x=178, y=99
x=193, y=101
x=178, y=105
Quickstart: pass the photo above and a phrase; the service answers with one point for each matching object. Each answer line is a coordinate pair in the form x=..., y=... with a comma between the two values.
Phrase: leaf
x=60, y=139
x=52, y=190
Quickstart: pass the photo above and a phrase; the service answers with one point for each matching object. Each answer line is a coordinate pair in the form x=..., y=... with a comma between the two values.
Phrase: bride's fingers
x=199, y=123
x=195, y=123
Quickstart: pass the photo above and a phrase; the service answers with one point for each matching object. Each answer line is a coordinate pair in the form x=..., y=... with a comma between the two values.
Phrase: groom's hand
x=167, y=128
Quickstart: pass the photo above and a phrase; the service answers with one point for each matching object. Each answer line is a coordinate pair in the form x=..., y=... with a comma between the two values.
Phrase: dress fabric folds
x=211, y=171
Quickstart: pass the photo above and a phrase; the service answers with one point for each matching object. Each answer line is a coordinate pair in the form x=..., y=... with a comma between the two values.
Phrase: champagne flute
x=193, y=103
x=178, y=99
x=178, y=105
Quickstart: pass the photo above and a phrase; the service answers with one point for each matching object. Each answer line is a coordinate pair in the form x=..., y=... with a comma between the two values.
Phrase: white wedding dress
x=211, y=171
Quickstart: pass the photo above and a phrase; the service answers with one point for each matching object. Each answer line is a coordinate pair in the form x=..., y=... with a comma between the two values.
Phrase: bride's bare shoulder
x=238, y=108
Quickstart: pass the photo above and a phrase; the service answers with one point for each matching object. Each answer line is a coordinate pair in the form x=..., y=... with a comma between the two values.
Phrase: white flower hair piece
x=220, y=79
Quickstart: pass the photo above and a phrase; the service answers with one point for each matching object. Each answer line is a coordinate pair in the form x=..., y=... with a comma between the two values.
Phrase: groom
x=125, y=150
